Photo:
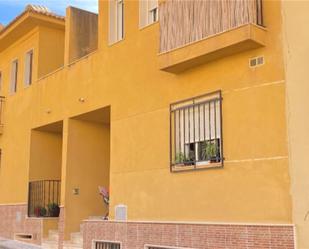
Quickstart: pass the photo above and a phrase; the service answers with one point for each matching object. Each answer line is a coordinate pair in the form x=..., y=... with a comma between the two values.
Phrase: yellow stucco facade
x=104, y=119
x=296, y=51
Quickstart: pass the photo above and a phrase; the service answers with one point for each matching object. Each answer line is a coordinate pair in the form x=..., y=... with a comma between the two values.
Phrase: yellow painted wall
x=252, y=187
x=81, y=32
x=45, y=156
x=87, y=168
x=51, y=50
x=49, y=224
x=296, y=48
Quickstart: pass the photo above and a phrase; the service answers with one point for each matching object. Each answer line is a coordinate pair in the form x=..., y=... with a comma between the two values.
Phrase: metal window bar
x=106, y=245
x=196, y=131
x=44, y=198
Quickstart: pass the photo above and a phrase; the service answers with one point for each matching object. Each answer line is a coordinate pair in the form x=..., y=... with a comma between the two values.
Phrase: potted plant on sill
x=53, y=209
x=211, y=152
x=40, y=211
x=182, y=160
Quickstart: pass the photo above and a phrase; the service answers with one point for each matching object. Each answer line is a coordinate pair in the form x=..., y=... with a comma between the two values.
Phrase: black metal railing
x=196, y=134
x=106, y=245
x=44, y=198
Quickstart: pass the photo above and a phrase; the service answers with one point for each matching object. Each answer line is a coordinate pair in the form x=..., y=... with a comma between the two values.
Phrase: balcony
x=44, y=198
x=197, y=32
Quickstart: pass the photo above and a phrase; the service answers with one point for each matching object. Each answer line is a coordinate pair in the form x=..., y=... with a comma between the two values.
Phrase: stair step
x=77, y=238
x=49, y=244
x=53, y=235
x=70, y=245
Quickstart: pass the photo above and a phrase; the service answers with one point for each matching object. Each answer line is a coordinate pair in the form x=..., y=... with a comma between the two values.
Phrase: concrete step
x=70, y=245
x=49, y=244
x=53, y=235
x=77, y=238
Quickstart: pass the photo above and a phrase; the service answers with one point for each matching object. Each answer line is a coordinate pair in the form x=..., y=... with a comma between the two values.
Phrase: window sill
x=148, y=25
x=181, y=168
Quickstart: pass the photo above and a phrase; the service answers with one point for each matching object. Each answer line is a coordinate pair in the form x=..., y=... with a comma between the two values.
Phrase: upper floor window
x=196, y=137
x=116, y=20
x=148, y=12
x=14, y=76
x=28, y=68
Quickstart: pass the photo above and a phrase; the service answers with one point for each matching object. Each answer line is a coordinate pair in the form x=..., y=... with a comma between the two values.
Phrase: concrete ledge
x=231, y=42
x=12, y=244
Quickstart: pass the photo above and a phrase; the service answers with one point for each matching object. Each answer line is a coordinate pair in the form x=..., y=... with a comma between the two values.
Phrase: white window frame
x=14, y=76
x=28, y=72
x=145, y=13
x=116, y=21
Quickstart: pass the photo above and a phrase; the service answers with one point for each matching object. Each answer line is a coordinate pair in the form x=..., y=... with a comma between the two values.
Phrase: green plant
x=211, y=150
x=53, y=209
x=180, y=158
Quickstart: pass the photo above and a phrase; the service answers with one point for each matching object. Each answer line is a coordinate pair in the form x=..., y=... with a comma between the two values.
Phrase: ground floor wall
x=14, y=223
x=13, y=220
x=138, y=235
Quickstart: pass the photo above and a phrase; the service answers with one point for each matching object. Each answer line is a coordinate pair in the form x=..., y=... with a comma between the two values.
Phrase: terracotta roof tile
x=34, y=9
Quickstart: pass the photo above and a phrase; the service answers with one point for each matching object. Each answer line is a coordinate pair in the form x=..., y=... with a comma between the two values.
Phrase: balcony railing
x=186, y=21
x=44, y=198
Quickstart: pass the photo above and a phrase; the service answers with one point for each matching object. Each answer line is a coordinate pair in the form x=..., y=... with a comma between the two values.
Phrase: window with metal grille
x=196, y=132
x=106, y=245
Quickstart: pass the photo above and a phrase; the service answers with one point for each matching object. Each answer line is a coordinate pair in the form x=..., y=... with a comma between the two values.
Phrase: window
x=14, y=76
x=28, y=68
x=148, y=12
x=196, y=137
x=116, y=20
x=106, y=245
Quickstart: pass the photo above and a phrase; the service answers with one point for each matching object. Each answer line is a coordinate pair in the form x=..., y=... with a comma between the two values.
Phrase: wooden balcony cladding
x=186, y=21
x=193, y=32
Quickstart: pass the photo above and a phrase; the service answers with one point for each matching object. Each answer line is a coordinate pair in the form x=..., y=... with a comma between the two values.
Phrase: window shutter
x=152, y=4
x=112, y=21
x=28, y=68
x=119, y=21
x=14, y=77
x=143, y=13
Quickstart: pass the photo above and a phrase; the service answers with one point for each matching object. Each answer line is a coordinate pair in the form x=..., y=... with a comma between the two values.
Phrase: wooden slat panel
x=187, y=21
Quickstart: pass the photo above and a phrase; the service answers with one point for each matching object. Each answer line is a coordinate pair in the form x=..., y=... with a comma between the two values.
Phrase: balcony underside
x=218, y=46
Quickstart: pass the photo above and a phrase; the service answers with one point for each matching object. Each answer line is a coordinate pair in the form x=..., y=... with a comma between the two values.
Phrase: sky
x=11, y=8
